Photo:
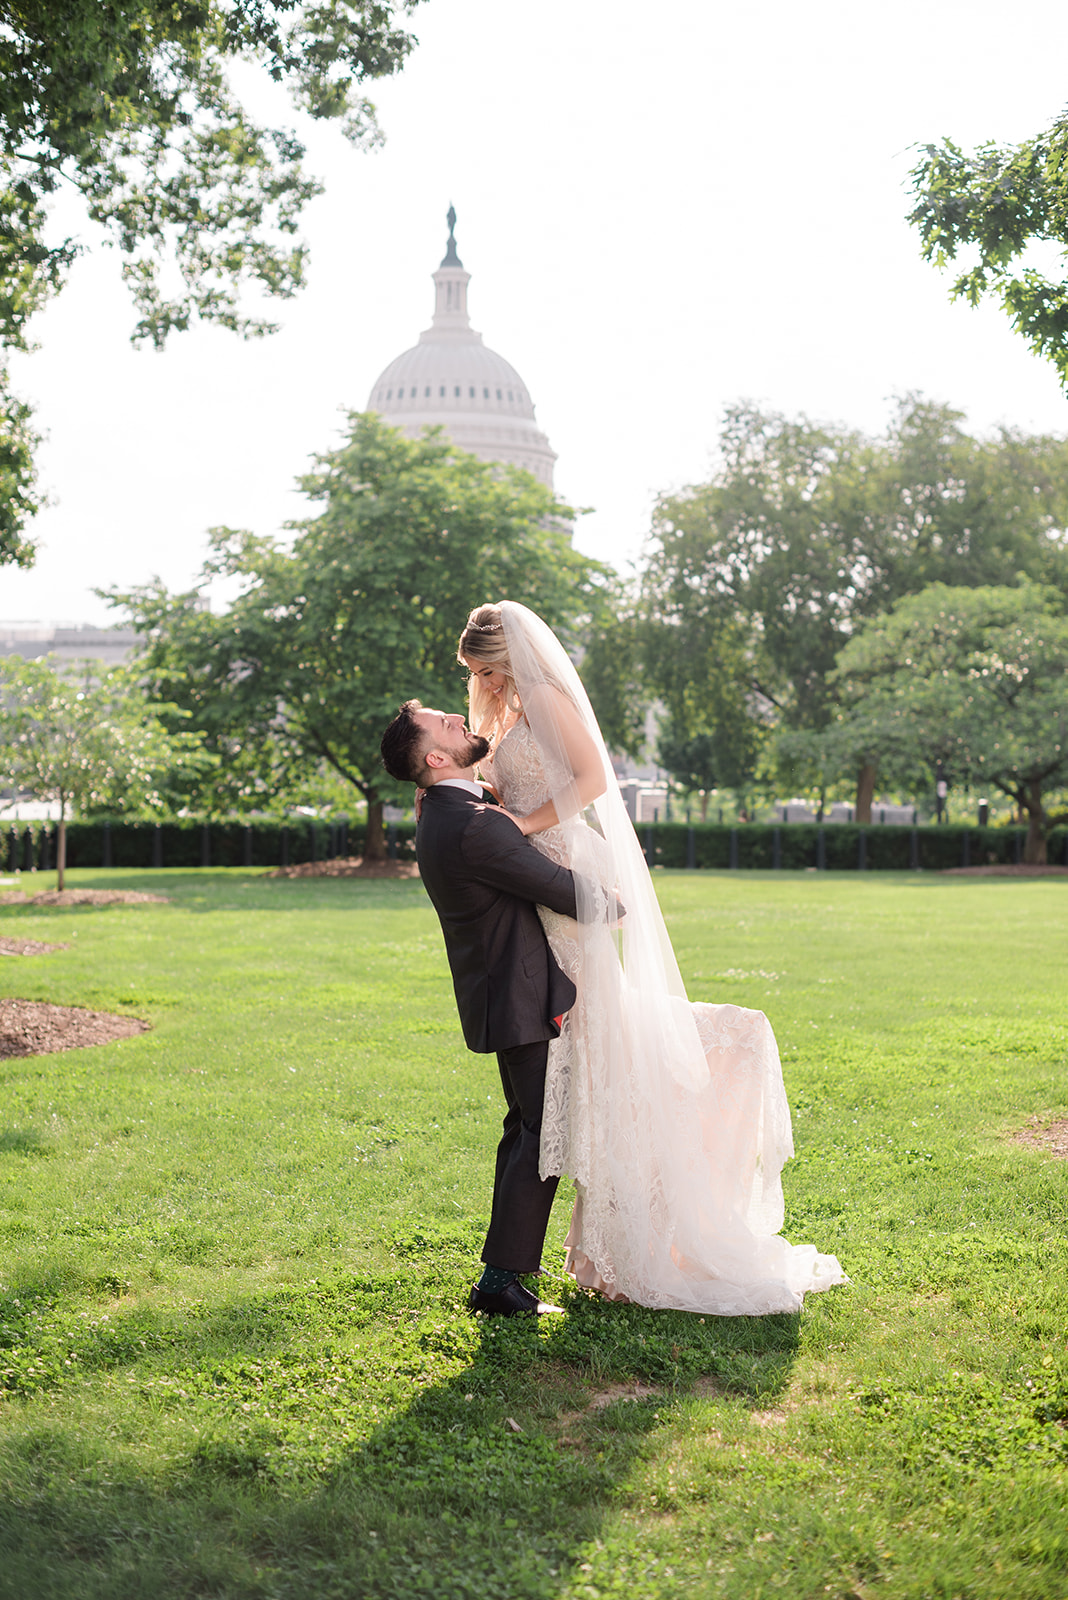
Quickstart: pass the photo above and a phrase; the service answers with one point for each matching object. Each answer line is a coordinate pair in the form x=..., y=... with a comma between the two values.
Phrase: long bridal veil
x=671, y=1118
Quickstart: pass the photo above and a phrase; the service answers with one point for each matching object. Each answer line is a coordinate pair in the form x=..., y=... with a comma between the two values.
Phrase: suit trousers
x=521, y=1200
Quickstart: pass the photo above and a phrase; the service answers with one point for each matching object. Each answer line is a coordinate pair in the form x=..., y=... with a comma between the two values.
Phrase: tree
x=756, y=580
x=693, y=762
x=974, y=680
x=85, y=739
x=128, y=102
x=364, y=609
x=997, y=203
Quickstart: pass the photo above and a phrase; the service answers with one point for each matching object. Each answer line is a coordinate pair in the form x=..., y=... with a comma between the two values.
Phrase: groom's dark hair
x=404, y=745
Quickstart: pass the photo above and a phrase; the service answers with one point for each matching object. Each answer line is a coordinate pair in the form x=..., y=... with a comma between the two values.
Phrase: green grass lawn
x=234, y=1254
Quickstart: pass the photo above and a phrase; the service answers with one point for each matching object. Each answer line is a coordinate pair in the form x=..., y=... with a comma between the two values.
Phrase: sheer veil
x=539, y=661
x=672, y=1118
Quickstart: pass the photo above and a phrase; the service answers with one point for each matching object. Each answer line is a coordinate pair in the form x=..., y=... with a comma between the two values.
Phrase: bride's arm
x=582, y=756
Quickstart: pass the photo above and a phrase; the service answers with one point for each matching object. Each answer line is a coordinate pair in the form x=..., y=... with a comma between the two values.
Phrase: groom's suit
x=484, y=879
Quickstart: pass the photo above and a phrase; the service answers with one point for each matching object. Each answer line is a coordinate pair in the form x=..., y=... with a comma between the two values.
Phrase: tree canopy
x=129, y=103
x=86, y=739
x=971, y=681
x=756, y=580
x=361, y=611
x=992, y=208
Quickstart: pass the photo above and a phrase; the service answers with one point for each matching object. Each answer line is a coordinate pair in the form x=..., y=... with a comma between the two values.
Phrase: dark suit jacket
x=484, y=879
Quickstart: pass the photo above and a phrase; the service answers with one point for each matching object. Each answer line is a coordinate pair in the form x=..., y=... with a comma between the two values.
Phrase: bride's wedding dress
x=671, y=1117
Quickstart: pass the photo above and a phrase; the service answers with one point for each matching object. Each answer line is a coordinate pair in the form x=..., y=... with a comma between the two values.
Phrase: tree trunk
x=61, y=851
x=374, y=848
x=865, y=793
x=704, y=805
x=1035, y=844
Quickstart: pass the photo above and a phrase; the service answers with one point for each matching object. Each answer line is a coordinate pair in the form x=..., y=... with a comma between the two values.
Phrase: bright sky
x=664, y=209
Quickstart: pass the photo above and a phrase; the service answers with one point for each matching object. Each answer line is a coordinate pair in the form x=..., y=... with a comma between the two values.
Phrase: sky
x=664, y=210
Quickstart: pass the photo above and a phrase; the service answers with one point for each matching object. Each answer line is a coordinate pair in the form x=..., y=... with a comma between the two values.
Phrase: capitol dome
x=450, y=379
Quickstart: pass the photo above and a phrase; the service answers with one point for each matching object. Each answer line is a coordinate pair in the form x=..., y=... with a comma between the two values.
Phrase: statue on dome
x=451, y=258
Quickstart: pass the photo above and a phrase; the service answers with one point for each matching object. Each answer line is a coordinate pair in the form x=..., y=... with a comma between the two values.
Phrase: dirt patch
x=28, y=947
x=1005, y=870
x=347, y=867
x=622, y=1391
x=84, y=897
x=34, y=1028
x=598, y=1402
x=1052, y=1137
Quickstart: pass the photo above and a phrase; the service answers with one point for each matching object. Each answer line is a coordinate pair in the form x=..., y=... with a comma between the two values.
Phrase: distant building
x=68, y=641
x=452, y=380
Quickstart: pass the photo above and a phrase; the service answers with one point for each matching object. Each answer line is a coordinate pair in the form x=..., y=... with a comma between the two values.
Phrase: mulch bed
x=1053, y=1137
x=28, y=947
x=34, y=1028
x=1005, y=870
x=347, y=867
x=83, y=897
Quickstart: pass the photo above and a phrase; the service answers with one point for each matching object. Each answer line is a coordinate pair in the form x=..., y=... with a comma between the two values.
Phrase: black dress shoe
x=511, y=1301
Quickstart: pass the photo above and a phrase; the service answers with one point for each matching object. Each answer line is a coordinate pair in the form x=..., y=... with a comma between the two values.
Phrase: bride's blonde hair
x=483, y=641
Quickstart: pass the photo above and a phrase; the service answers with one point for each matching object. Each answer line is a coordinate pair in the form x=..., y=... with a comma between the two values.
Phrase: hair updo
x=483, y=641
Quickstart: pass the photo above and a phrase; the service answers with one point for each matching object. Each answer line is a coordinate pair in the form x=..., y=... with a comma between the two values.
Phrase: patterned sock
x=494, y=1279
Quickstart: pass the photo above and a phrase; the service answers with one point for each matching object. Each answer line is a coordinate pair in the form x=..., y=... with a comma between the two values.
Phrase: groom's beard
x=474, y=749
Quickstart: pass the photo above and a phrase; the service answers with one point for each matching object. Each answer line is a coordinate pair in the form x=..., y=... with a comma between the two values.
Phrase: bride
x=671, y=1118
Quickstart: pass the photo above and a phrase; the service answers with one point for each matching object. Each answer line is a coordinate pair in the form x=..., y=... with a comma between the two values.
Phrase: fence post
x=1017, y=847
x=106, y=848
x=313, y=840
x=862, y=850
x=821, y=851
x=966, y=849
x=649, y=850
x=284, y=848
x=776, y=849
x=205, y=845
x=914, y=850
x=343, y=841
x=46, y=839
x=157, y=845
x=691, y=850
x=734, y=849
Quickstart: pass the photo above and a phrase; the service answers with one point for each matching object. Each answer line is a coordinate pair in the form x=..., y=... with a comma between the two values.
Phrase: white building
x=452, y=380
x=69, y=641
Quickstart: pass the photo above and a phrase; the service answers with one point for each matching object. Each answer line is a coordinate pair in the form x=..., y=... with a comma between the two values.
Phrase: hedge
x=192, y=842
x=273, y=842
x=837, y=846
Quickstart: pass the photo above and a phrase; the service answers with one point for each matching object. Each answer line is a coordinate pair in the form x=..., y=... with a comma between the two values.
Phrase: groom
x=485, y=879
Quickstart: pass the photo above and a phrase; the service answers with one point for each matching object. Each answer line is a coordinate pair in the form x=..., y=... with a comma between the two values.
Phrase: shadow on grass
x=405, y=1450
x=24, y=1142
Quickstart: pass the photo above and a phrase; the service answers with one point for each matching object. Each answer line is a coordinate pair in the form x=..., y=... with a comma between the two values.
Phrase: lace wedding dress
x=671, y=1117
